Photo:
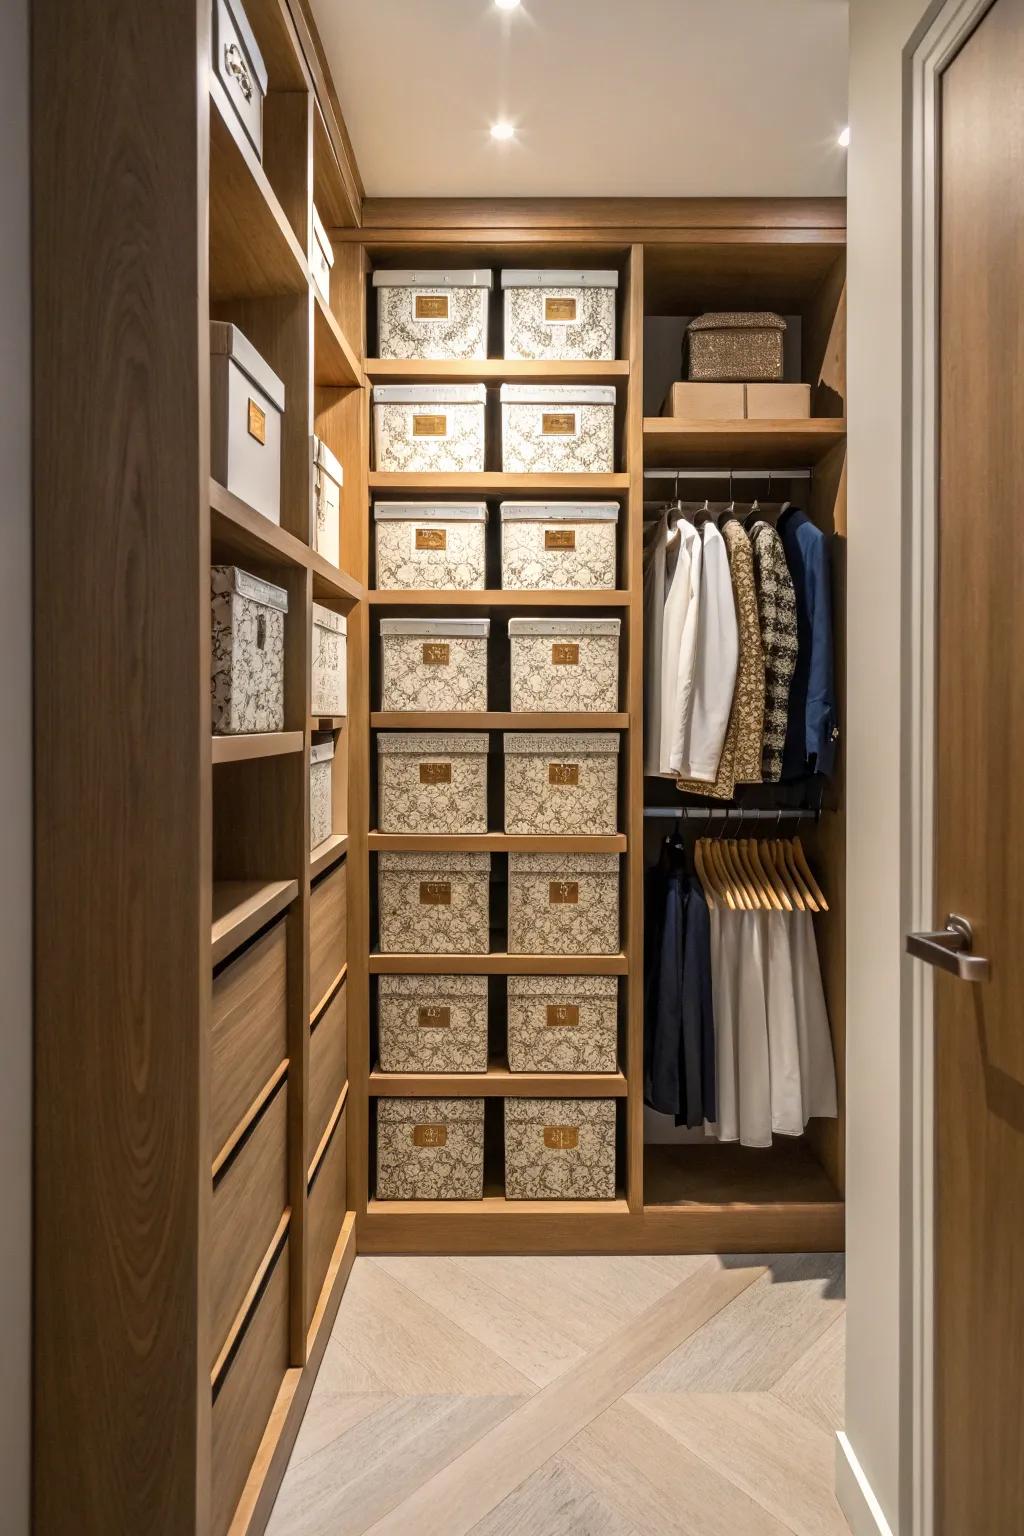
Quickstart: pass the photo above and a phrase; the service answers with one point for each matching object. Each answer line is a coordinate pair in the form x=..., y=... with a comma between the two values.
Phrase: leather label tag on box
x=563, y=893
x=565, y=653
x=564, y=773
x=563, y=1015
x=429, y=426
x=431, y=538
x=435, y=773
x=560, y=310
x=435, y=653
x=431, y=306
x=558, y=423
x=429, y=1135
x=434, y=1016
x=559, y=538
x=561, y=1138
x=257, y=422
x=435, y=893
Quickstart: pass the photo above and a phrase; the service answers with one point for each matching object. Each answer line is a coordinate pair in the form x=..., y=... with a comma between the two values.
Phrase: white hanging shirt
x=679, y=646
x=705, y=719
x=655, y=572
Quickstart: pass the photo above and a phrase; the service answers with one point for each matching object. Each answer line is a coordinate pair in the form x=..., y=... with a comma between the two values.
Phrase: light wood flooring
x=678, y=1396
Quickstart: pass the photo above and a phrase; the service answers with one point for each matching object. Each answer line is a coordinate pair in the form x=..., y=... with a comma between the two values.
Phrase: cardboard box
x=705, y=402
x=778, y=402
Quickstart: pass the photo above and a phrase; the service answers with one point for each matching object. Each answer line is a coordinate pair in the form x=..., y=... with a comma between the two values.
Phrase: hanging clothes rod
x=732, y=813
x=727, y=474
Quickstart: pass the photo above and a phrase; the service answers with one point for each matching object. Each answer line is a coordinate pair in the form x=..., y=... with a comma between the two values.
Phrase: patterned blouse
x=776, y=606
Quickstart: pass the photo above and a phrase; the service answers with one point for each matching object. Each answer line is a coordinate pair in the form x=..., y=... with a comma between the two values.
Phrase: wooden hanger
x=786, y=848
x=805, y=870
x=711, y=891
x=776, y=895
x=749, y=899
x=732, y=896
x=762, y=900
x=778, y=865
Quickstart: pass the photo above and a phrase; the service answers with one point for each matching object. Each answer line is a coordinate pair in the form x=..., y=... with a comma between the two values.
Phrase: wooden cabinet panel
x=249, y=1036
x=325, y=1213
x=328, y=940
x=328, y=1065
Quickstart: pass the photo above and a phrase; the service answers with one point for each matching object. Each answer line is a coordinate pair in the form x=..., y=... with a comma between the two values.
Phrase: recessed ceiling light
x=844, y=138
x=502, y=130
x=506, y=5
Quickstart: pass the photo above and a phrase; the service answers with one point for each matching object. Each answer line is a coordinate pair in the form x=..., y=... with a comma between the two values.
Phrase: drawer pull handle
x=234, y=63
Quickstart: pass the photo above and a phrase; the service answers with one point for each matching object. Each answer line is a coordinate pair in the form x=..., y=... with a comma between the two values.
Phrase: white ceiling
x=610, y=97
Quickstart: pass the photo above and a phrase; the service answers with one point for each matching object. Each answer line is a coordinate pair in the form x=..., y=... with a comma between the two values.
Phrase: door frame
x=946, y=31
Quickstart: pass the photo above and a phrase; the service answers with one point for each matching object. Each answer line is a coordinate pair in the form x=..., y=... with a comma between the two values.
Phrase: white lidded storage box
x=558, y=545
x=561, y=785
x=321, y=813
x=247, y=652
x=567, y=665
x=321, y=258
x=432, y=1023
x=439, y=665
x=429, y=428
x=560, y=314
x=246, y=406
x=328, y=478
x=330, y=662
x=555, y=429
x=563, y=1023
x=563, y=904
x=432, y=781
x=434, y=903
x=430, y=546
x=439, y=315
x=238, y=65
x=430, y=1149
x=560, y=1149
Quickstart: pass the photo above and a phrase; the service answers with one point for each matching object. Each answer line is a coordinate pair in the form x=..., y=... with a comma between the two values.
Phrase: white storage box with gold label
x=559, y=545
x=560, y=314
x=238, y=64
x=328, y=478
x=247, y=652
x=330, y=662
x=429, y=428
x=321, y=258
x=246, y=406
x=430, y=1149
x=432, y=1023
x=321, y=814
x=439, y=315
x=432, y=782
x=434, y=903
x=565, y=665
x=563, y=1023
x=561, y=785
x=438, y=665
x=560, y=1149
x=563, y=904
x=557, y=429
x=433, y=546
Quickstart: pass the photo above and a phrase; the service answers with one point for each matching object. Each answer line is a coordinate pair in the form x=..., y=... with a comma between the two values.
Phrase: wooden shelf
x=492, y=842
x=493, y=599
x=239, y=533
x=329, y=582
x=328, y=853
x=386, y=370
x=498, y=964
x=327, y=722
x=241, y=908
x=321, y=1003
x=494, y=720
x=671, y=442
x=254, y=251
x=250, y=1117
x=241, y=1317
x=325, y=1140
x=726, y=1176
x=334, y=361
x=499, y=1082
x=496, y=1205
x=240, y=749
x=494, y=483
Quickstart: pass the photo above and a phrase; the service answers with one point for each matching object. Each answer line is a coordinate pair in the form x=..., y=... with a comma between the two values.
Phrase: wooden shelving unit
x=241, y=908
x=495, y=483
x=494, y=720
x=495, y=370
x=493, y=842
x=243, y=749
x=499, y=1082
x=766, y=444
x=498, y=963
x=328, y=853
x=495, y=601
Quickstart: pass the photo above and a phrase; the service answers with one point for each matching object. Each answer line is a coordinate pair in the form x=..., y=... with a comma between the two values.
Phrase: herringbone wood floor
x=575, y=1397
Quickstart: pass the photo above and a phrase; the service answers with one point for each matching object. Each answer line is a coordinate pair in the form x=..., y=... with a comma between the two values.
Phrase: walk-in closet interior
x=398, y=914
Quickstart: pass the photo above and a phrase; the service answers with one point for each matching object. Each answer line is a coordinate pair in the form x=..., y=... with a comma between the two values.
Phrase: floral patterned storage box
x=438, y=665
x=562, y=785
x=328, y=479
x=321, y=817
x=429, y=428
x=559, y=314
x=567, y=665
x=427, y=547
x=432, y=1023
x=438, y=315
x=560, y=545
x=432, y=782
x=563, y=904
x=434, y=903
x=563, y=1023
x=330, y=662
x=430, y=1149
x=247, y=660
x=560, y=1149
x=554, y=429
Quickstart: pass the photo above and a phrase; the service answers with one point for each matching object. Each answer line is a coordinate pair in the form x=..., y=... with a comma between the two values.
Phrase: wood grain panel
x=249, y=1030
x=328, y=917
x=563, y=215
x=326, y=1207
x=633, y=341
x=328, y=1067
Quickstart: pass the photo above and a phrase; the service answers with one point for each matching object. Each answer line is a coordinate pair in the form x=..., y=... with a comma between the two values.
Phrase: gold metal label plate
x=563, y=1015
x=558, y=424
x=431, y=538
x=563, y=893
x=561, y=310
x=429, y=426
x=436, y=653
x=559, y=538
x=434, y=1016
x=564, y=773
x=435, y=773
x=257, y=422
x=435, y=893
x=431, y=306
x=565, y=653
x=429, y=1135
x=561, y=1138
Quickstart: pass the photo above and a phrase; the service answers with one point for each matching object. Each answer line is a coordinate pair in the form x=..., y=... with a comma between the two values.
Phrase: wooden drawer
x=249, y=1035
x=325, y=1212
x=328, y=939
x=248, y=1201
x=246, y=1394
x=328, y=1065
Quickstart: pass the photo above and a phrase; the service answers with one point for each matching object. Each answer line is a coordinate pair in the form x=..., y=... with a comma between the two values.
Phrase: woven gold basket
x=735, y=348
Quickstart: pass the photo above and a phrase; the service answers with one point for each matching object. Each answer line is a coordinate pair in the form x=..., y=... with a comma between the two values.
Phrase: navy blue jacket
x=811, y=729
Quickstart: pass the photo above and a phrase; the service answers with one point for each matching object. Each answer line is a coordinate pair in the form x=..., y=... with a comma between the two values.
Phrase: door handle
x=950, y=949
